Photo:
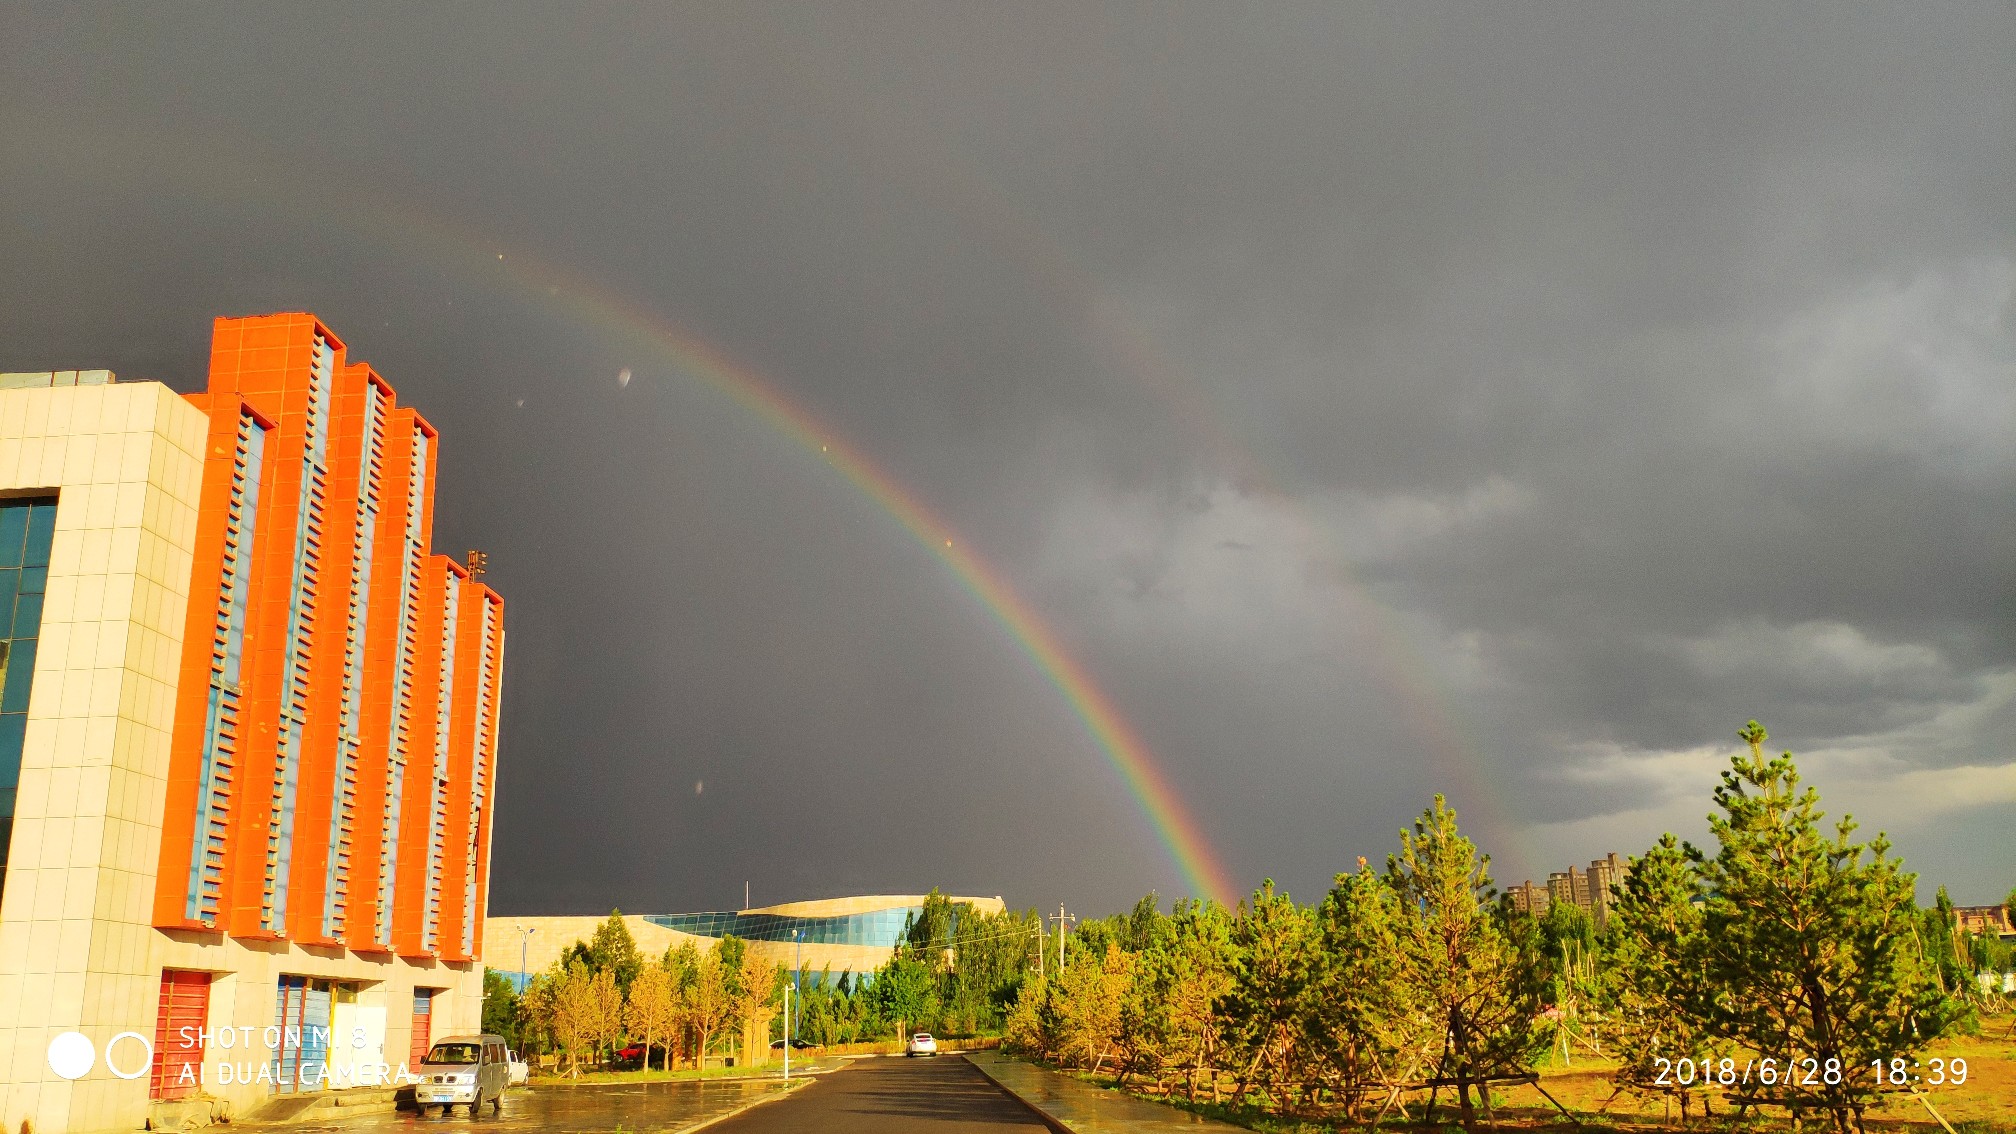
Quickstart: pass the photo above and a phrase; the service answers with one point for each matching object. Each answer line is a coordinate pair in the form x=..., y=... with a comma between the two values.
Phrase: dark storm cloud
x=1505, y=402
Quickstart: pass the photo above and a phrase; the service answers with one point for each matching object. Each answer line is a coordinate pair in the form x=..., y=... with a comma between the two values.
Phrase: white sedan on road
x=922, y=1044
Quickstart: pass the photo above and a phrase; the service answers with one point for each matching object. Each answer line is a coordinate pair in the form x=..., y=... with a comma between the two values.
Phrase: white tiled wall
x=75, y=933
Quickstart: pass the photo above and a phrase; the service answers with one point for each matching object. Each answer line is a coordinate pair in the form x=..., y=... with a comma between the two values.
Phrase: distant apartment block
x=1593, y=890
x=1983, y=920
x=248, y=733
x=1530, y=898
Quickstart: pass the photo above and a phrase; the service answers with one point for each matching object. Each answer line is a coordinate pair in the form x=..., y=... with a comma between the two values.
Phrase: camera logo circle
x=72, y=1055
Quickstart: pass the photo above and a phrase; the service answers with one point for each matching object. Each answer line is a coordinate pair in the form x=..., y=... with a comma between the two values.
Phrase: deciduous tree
x=654, y=1009
x=757, y=989
x=708, y=1003
x=586, y=1011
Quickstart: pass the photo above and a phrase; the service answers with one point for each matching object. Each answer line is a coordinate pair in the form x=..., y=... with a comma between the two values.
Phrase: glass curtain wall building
x=881, y=928
x=830, y=935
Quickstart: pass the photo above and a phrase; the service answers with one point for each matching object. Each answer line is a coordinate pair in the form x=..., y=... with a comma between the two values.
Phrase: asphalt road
x=944, y=1095
x=628, y=1108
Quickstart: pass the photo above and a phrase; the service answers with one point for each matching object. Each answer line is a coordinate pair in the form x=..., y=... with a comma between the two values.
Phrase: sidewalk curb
x=1049, y=1120
x=771, y=1096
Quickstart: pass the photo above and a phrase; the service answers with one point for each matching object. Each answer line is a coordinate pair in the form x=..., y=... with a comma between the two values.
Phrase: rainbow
x=1116, y=738
x=1453, y=754
x=1174, y=825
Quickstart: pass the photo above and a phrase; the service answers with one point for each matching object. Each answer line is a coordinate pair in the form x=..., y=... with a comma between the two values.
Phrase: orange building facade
x=320, y=852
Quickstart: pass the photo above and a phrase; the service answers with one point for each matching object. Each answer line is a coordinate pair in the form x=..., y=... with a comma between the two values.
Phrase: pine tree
x=1481, y=990
x=1811, y=955
x=613, y=948
x=1656, y=955
x=1197, y=972
x=1362, y=1029
x=1274, y=943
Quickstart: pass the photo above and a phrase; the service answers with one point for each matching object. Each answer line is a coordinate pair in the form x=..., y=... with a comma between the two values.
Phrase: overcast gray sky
x=1507, y=400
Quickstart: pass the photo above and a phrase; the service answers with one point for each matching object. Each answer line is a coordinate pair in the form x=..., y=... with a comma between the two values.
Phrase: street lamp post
x=524, y=947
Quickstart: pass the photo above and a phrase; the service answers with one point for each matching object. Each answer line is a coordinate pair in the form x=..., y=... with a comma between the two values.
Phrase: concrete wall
x=502, y=941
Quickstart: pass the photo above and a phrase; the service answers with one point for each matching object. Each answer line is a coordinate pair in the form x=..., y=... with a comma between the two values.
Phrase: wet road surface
x=945, y=1095
x=635, y=1108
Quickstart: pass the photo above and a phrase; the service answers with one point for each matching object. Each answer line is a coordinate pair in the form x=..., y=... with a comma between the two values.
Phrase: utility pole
x=1061, y=919
x=524, y=945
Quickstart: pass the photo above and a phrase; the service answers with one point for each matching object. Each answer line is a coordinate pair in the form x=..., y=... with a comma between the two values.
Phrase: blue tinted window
x=41, y=526
x=13, y=529
x=20, y=675
x=28, y=616
x=26, y=528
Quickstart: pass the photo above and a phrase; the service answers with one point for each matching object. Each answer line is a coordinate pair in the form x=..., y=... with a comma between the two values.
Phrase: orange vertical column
x=270, y=369
x=319, y=817
x=385, y=731
x=381, y=660
x=201, y=636
x=429, y=683
x=484, y=759
x=459, y=838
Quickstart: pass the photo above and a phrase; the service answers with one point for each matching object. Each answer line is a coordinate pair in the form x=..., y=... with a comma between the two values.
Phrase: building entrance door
x=178, y=1035
x=423, y=1018
x=301, y=1008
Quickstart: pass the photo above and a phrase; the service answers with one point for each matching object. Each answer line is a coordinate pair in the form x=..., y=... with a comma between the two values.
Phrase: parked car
x=632, y=1056
x=465, y=1070
x=521, y=1071
x=922, y=1044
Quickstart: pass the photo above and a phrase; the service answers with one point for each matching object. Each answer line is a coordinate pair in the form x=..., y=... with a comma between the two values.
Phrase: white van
x=465, y=1070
